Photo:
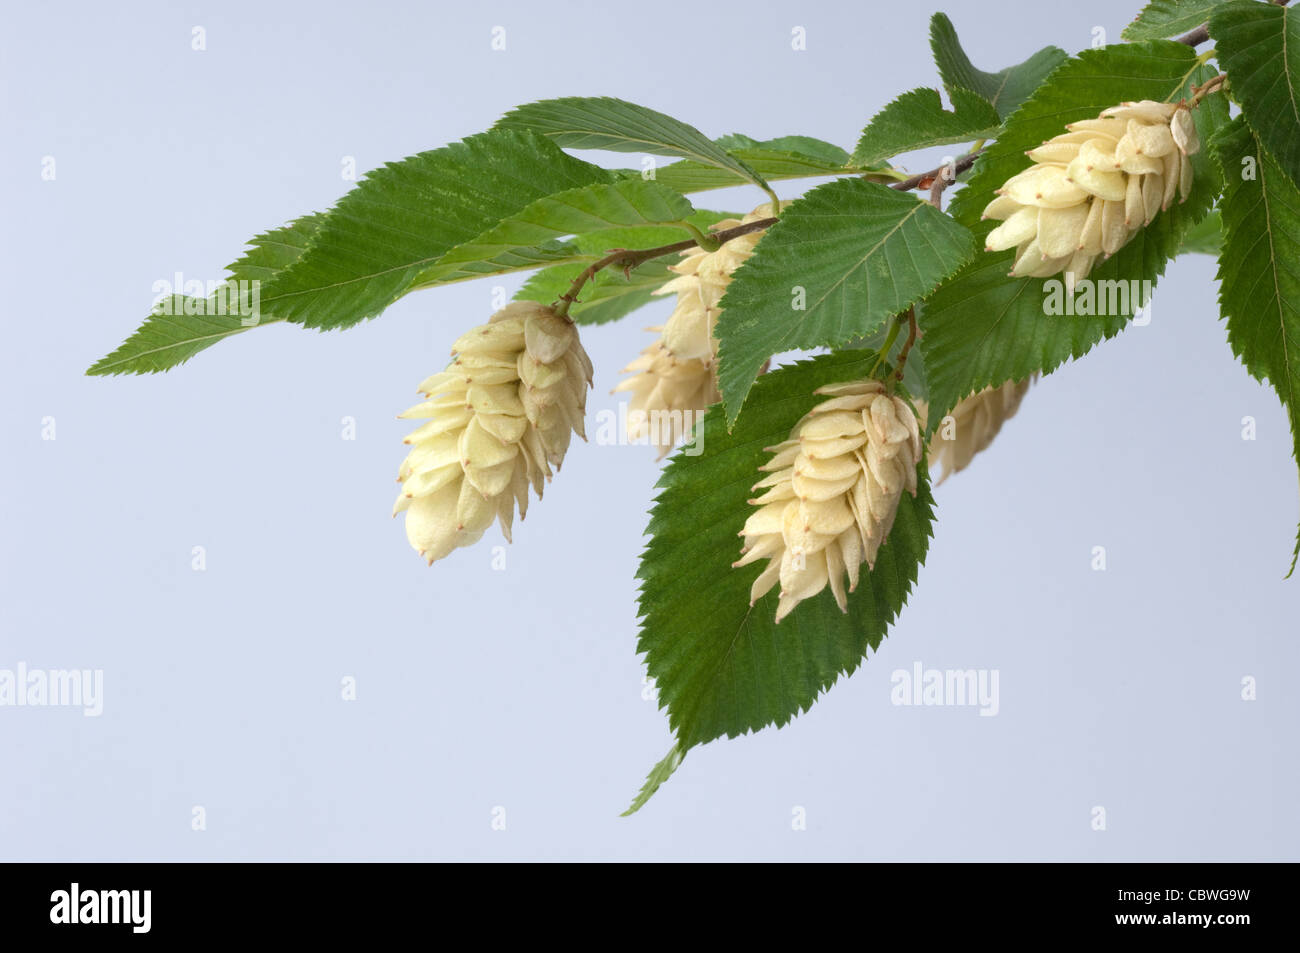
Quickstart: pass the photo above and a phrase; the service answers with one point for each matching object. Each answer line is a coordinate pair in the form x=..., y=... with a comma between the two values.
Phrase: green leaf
x=721, y=666
x=532, y=236
x=404, y=216
x=607, y=297
x=695, y=177
x=1259, y=285
x=789, y=157
x=1162, y=18
x=602, y=242
x=660, y=773
x=806, y=146
x=917, y=120
x=842, y=260
x=611, y=294
x=915, y=381
x=1005, y=89
x=166, y=340
x=983, y=328
x=272, y=252
x=1258, y=45
x=1205, y=237
x=601, y=122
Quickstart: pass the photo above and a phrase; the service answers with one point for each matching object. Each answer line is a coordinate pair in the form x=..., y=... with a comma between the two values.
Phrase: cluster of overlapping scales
x=676, y=377
x=499, y=417
x=1090, y=189
x=832, y=493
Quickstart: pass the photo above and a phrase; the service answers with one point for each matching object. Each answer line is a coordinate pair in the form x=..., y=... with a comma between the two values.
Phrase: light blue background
x=521, y=688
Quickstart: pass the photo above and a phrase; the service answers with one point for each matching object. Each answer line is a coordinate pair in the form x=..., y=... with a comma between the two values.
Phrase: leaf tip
x=660, y=773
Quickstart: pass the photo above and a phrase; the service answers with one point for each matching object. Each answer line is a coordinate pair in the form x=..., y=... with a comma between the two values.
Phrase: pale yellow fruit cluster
x=667, y=394
x=675, y=379
x=976, y=421
x=832, y=494
x=500, y=416
x=1092, y=188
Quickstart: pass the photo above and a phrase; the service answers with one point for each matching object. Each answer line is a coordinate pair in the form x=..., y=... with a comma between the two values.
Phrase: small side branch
x=912, y=333
x=927, y=179
x=1195, y=37
x=936, y=180
x=627, y=259
x=1209, y=86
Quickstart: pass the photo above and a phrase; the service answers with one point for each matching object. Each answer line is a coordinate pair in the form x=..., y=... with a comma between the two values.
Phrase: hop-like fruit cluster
x=1090, y=189
x=675, y=379
x=668, y=394
x=500, y=416
x=976, y=421
x=832, y=493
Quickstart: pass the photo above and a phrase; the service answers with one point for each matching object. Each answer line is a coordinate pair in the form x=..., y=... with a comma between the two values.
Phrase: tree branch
x=1195, y=37
x=912, y=332
x=926, y=179
x=1209, y=86
x=627, y=259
